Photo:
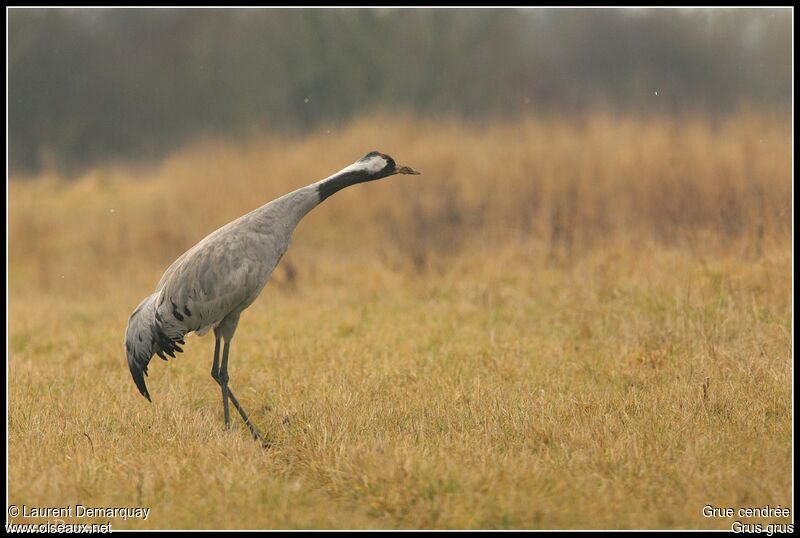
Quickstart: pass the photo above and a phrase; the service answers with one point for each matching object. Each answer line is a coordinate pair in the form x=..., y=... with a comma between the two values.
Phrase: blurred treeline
x=93, y=84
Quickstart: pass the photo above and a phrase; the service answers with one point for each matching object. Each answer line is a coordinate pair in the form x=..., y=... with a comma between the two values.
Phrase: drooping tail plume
x=149, y=334
x=140, y=342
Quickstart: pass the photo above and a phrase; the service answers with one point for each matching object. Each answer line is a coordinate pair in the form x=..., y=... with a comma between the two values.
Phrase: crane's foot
x=226, y=391
x=253, y=430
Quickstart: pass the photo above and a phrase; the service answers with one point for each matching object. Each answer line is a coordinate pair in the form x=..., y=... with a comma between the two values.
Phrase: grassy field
x=561, y=324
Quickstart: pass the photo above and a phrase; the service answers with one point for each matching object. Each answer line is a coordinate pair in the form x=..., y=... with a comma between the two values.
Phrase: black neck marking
x=339, y=182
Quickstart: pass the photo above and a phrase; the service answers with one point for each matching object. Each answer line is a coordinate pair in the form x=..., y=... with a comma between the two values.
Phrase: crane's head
x=379, y=165
x=374, y=165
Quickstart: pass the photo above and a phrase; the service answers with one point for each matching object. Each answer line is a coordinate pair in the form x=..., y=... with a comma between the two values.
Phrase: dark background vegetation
x=87, y=85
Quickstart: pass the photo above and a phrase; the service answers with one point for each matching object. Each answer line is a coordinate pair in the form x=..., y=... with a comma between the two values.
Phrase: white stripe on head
x=372, y=164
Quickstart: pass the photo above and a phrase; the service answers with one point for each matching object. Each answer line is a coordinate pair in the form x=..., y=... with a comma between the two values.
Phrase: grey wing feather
x=222, y=277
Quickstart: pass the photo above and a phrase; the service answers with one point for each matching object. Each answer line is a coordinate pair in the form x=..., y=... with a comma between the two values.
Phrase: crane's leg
x=223, y=383
x=217, y=374
x=215, y=366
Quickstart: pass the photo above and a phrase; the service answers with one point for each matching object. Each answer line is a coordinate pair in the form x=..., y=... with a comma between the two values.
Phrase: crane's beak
x=406, y=170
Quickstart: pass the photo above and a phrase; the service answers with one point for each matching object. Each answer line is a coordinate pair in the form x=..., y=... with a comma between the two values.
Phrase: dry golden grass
x=561, y=324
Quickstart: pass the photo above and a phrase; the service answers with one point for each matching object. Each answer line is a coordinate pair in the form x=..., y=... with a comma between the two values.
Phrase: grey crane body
x=210, y=285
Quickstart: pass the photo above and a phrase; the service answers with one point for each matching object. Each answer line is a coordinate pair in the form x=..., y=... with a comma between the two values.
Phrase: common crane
x=210, y=285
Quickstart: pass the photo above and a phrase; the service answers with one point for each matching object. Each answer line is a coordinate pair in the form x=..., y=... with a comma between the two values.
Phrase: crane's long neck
x=289, y=209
